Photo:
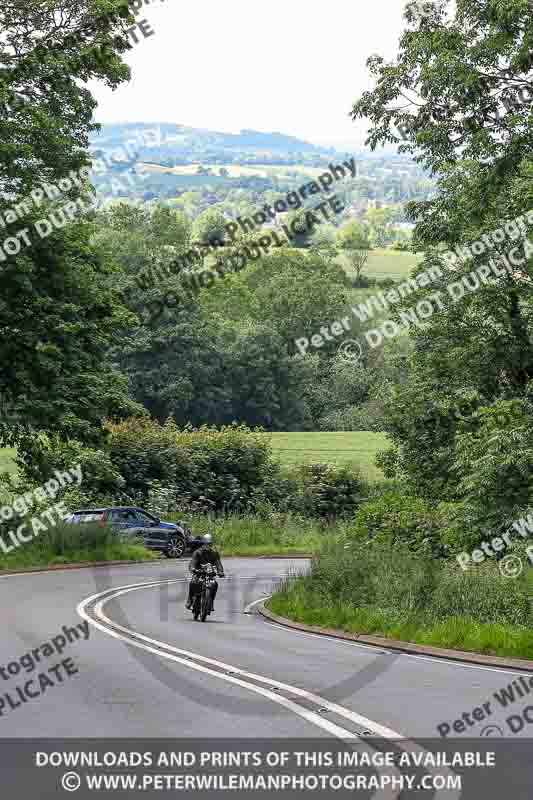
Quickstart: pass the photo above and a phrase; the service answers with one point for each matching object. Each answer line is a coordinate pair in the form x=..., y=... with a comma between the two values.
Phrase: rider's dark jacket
x=206, y=555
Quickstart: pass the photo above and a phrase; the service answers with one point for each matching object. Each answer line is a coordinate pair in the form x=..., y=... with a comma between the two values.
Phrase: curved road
x=147, y=669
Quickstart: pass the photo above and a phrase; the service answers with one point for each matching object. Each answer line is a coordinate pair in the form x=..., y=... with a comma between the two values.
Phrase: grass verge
x=411, y=600
x=72, y=544
x=254, y=536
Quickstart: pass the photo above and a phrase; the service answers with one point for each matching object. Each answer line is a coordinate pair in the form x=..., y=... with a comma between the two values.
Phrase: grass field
x=7, y=455
x=236, y=170
x=383, y=263
x=356, y=447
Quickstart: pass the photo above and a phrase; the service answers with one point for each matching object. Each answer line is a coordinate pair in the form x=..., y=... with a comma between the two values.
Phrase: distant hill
x=183, y=144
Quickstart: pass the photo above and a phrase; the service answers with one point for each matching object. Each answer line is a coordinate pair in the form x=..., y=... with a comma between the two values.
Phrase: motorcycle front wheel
x=197, y=608
x=206, y=604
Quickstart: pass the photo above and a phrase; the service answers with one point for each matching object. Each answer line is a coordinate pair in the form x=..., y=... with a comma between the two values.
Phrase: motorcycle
x=203, y=601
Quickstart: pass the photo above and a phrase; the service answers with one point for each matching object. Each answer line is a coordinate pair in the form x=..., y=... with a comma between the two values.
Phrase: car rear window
x=88, y=516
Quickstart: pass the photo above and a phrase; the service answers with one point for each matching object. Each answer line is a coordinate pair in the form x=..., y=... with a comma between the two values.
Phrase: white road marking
x=310, y=716
x=370, y=647
x=255, y=603
x=376, y=647
x=432, y=660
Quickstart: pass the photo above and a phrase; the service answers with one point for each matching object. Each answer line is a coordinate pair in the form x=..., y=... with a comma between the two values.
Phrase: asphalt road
x=147, y=669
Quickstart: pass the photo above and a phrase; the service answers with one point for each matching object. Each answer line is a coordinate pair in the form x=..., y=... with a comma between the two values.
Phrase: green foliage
x=273, y=534
x=328, y=491
x=60, y=313
x=495, y=463
x=228, y=354
x=47, y=59
x=101, y=481
x=396, y=518
x=210, y=228
x=60, y=307
x=294, y=292
x=143, y=451
x=465, y=91
x=469, y=122
x=227, y=470
x=205, y=469
x=416, y=590
x=354, y=240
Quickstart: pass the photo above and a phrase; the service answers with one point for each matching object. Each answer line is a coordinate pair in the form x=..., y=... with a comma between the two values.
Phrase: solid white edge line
x=370, y=647
x=309, y=716
x=399, y=653
x=380, y=730
x=432, y=660
x=255, y=603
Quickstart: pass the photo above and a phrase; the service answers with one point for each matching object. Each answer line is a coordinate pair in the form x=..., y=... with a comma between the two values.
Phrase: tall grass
x=69, y=544
x=391, y=593
x=280, y=534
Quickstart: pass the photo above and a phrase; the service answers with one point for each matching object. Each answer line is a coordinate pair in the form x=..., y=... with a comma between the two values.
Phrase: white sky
x=294, y=66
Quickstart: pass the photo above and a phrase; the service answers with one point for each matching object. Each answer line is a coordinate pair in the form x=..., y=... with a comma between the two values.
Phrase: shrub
x=207, y=470
x=204, y=469
x=328, y=491
x=143, y=451
x=397, y=518
x=101, y=480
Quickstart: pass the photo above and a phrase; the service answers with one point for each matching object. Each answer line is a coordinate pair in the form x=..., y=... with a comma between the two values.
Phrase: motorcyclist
x=206, y=554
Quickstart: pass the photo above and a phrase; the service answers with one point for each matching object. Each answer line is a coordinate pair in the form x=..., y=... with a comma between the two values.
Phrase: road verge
x=403, y=647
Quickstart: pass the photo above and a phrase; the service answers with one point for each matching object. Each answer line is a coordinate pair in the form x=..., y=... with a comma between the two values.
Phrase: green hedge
x=205, y=470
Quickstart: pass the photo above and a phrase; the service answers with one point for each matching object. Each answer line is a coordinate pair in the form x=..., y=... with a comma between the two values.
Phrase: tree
x=471, y=129
x=210, y=228
x=46, y=113
x=324, y=242
x=353, y=239
x=467, y=96
x=295, y=293
x=378, y=221
x=60, y=307
x=60, y=311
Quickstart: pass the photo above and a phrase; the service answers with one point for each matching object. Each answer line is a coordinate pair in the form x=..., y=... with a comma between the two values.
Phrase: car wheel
x=175, y=547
